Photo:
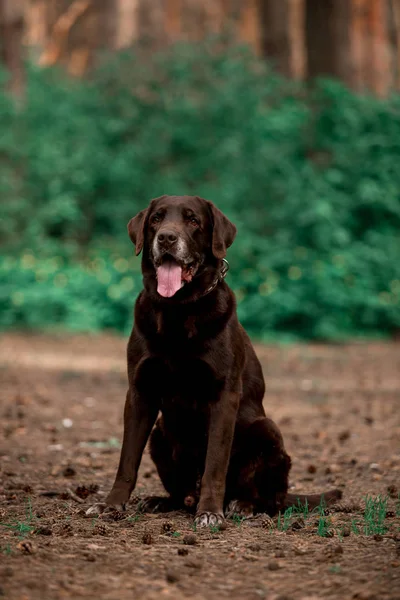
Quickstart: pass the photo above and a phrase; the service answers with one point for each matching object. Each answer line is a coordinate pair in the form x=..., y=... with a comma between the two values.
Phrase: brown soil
x=61, y=422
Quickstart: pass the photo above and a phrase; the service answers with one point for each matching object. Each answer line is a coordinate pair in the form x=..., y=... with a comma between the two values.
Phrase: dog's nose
x=167, y=238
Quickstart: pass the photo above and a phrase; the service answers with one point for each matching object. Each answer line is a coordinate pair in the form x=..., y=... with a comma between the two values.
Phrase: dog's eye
x=193, y=221
x=156, y=218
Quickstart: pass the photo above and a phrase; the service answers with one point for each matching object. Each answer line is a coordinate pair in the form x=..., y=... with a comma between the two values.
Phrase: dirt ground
x=61, y=402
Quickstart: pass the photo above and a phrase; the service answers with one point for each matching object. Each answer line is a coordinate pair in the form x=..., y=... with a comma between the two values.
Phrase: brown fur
x=190, y=361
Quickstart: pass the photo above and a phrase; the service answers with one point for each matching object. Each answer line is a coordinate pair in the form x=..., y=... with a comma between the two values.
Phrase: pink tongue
x=169, y=277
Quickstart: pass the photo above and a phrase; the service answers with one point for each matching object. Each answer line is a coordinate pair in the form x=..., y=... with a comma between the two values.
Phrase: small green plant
x=214, y=528
x=398, y=506
x=374, y=515
x=321, y=508
x=133, y=519
x=335, y=569
x=238, y=520
x=324, y=524
x=22, y=528
x=302, y=509
x=7, y=550
x=355, y=527
x=285, y=519
x=176, y=534
x=339, y=533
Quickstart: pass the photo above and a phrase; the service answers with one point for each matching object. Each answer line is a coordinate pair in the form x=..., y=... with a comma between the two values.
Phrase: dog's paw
x=208, y=519
x=101, y=508
x=155, y=504
x=244, y=510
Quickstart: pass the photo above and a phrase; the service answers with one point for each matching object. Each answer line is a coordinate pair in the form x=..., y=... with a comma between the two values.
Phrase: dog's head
x=182, y=237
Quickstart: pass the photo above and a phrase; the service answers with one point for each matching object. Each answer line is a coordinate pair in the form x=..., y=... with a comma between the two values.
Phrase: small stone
x=147, y=538
x=346, y=531
x=189, y=539
x=306, y=385
x=344, y=435
x=274, y=565
x=392, y=491
x=300, y=549
x=183, y=551
x=311, y=469
x=172, y=576
x=55, y=447
x=332, y=469
x=89, y=402
x=69, y=471
x=337, y=548
x=254, y=547
x=280, y=553
x=67, y=423
x=26, y=547
x=43, y=530
x=193, y=563
x=332, y=549
x=90, y=557
x=375, y=467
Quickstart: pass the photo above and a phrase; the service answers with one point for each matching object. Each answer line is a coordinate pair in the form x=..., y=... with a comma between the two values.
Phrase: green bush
x=311, y=178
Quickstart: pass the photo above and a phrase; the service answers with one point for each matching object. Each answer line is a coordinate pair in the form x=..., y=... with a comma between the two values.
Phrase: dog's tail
x=313, y=500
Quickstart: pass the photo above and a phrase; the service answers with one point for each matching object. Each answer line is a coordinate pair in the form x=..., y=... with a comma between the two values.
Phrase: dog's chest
x=188, y=387
x=188, y=382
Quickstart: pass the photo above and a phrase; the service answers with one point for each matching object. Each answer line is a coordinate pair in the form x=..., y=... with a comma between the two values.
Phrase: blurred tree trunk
x=151, y=23
x=11, y=34
x=127, y=23
x=371, y=45
x=378, y=74
x=69, y=32
x=393, y=22
x=327, y=33
x=275, y=33
x=297, y=39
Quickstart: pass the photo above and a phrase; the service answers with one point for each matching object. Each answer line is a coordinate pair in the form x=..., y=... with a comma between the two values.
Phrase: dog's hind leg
x=259, y=471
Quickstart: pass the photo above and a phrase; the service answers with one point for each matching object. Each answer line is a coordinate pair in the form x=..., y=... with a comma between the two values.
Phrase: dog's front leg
x=222, y=419
x=139, y=418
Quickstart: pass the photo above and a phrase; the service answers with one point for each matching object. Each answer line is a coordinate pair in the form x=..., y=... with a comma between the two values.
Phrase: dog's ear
x=136, y=227
x=223, y=232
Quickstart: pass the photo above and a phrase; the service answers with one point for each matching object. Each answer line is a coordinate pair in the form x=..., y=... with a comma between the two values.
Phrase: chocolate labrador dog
x=190, y=361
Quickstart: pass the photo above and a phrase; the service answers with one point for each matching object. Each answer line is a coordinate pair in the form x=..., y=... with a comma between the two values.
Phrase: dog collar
x=220, y=277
